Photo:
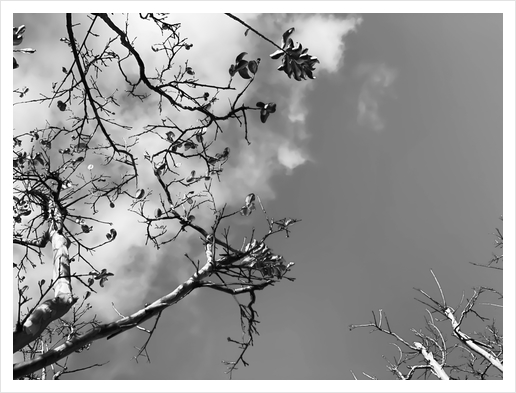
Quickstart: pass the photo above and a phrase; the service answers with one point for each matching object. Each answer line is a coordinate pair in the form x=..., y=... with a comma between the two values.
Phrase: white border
x=505, y=7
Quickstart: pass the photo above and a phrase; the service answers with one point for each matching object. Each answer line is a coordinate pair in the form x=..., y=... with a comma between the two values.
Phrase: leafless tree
x=478, y=355
x=58, y=197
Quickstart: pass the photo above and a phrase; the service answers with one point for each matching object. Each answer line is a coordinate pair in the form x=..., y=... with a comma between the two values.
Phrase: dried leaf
x=286, y=36
x=232, y=70
x=253, y=66
x=250, y=199
x=264, y=114
x=240, y=57
x=276, y=55
x=244, y=73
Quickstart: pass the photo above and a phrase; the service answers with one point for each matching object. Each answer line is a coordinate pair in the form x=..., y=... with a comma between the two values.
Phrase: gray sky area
x=392, y=159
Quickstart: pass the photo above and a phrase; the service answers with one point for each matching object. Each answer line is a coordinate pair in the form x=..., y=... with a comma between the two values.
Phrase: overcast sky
x=392, y=159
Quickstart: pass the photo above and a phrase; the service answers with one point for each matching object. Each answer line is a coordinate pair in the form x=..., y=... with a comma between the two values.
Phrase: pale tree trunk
x=471, y=342
x=434, y=365
x=55, y=308
x=114, y=328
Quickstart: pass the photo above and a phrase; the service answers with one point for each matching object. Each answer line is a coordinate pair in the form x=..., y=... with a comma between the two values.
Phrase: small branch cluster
x=479, y=357
x=65, y=174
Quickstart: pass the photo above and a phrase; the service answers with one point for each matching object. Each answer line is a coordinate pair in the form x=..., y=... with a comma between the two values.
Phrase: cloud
x=277, y=146
x=290, y=157
x=377, y=85
x=324, y=36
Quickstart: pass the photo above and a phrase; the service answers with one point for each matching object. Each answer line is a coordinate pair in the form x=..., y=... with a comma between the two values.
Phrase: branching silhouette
x=57, y=191
x=478, y=357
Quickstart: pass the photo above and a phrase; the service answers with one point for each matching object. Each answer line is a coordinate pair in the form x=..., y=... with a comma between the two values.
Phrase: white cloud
x=324, y=36
x=377, y=85
x=277, y=146
x=290, y=157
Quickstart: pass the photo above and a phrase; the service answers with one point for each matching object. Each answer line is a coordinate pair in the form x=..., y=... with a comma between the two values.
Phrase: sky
x=392, y=158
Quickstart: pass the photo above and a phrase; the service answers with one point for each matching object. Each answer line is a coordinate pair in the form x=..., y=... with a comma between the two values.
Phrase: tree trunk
x=50, y=309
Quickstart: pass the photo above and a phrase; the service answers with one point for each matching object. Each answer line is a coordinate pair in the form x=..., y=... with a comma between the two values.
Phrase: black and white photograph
x=258, y=196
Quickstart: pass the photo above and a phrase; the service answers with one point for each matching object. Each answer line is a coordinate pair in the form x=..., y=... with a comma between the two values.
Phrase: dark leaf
x=240, y=57
x=305, y=57
x=276, y=55
x=309, y=73
x=18, y=35
x=253, y=66
x=286, y=37
x=250, y=199
x=245, y=211
x=289, y=44
x=241, y=65
x=288, y=69
x=296, y=50
x=264, y=115
x=191, y=177
x=244, y=73
x=297, y=71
